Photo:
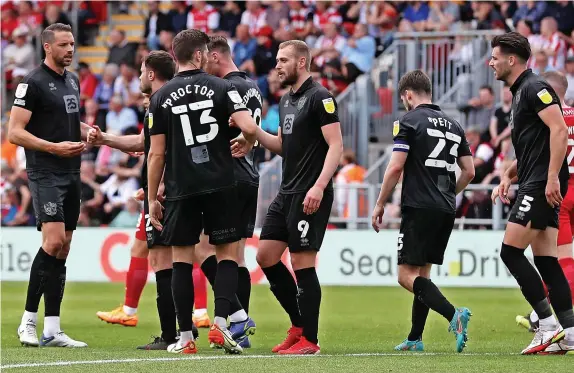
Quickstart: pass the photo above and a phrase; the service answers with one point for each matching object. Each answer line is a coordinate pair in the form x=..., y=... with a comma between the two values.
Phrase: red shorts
x=140, y=232
x=566, y=218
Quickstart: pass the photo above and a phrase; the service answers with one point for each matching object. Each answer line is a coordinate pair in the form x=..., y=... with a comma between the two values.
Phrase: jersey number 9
x=204, y=118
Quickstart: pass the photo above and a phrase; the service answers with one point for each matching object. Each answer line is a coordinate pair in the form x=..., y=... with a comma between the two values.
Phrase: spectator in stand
x=117, y=191
x=203, y=17
x=105, y=89
x=230, y=18
x=507, y=9
x=328, y=46
x=142, y=53
x=359, y=53
x=178, y=15
x=332, y=78
x=92, y=118
x=92, y=197
x=9, y=23
x=532, y=11
x=53, y=14
x=553, y=45
x=25, y=215
x=254, y=16
x=350, y=173
x=121, y=50
x=276, y=11
x=481, y=110
x=301, y=20
x=127, y=85
x=541, y=64
x=536, y=42
x=443, y=16
x=244, y=47
x=415, y=16
x=499, y=129
x=155, y=23
x=88, y=82
x=120, y=118
x=482, y=152
x=264, y=59
x=569, y=97
x=8, y=150
x=28, y=18
x=275, y=88
x=384, y=16
x=19, y=56
x=563, y=13
x=325, y=14
x=129, y=216
x=486, y=16
x=166, y=41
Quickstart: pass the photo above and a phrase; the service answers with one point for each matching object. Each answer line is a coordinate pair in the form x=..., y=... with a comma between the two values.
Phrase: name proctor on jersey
x=181, y=92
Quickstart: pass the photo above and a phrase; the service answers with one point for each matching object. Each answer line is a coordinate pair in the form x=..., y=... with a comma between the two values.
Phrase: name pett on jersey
x=245, y=171
x=434, y=142
x=569, y=119
x=192, y=110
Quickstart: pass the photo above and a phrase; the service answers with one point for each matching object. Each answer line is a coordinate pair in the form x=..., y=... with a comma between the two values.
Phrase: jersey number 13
x=204, y=118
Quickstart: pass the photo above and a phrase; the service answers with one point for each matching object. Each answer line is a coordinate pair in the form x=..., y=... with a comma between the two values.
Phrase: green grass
x=354, y=320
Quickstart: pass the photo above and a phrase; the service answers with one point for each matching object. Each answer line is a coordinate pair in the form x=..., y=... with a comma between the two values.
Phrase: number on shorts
x=570, y=155
x=257, y=119
x=438, y=149
x=148, y=226
x=525, y=205
x=303, y=227
x=400, y=241
x=204, y=118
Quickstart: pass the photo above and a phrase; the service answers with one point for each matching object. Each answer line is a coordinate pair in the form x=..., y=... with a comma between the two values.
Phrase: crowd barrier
x=347, y=257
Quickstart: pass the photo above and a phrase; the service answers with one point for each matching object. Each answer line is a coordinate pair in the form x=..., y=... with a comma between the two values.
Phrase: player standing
x=310, y=142
x=45, y=120
x=190, y=137
x=428, y=145
x=539, y=136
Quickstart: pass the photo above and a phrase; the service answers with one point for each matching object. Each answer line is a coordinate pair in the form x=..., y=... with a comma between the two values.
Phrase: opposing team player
x=310, y=142
x=566, y=215
x=539, y=136
x=190, y=137
x=428, y=145
x=156, y=70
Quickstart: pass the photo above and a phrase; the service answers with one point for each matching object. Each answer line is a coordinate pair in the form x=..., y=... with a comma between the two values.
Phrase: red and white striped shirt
x=254, y=20
x=559, y=46
x=338, y=42
x=330, y=15
x=536, y=42
x=205, y=19
x=299, y=18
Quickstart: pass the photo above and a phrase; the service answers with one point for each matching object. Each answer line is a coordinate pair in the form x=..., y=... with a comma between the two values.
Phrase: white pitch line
x=139, y=360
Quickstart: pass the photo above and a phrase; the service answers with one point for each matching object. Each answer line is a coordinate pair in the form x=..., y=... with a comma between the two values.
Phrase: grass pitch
x=359, y=327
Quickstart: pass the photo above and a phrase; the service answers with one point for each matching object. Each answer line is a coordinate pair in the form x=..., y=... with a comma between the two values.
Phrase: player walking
x=539, y=135
x=45, y=120
x=428, y=145
x=190, y=137
x=310, y=142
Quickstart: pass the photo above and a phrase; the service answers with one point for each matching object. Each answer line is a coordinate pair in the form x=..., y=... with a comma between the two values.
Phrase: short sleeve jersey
x=54, y=101
x=434, y=142
x=302, y=114
x=245, y=171
x=530, y=136
x=192, y=110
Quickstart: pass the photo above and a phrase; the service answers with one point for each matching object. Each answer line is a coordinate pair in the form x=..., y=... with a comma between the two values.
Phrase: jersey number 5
x=432, y=160
x=205, y=118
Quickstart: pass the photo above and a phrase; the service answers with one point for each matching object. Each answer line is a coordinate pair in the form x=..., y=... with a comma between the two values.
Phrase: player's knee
x=265, y=260
x=160, y=259
x=303, y=260
x=509, y=254
x=53, y=243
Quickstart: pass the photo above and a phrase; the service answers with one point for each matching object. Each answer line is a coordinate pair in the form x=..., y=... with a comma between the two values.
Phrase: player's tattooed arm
x=467, y=173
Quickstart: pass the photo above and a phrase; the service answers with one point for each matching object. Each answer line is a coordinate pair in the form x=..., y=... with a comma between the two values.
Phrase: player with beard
x=539, y=135
x=45, y=121
x=310, y=142
x=156, y=70
x=190, y=132
x=565, y=217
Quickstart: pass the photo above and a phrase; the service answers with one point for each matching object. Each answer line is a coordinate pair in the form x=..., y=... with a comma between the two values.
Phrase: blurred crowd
x=345, y=36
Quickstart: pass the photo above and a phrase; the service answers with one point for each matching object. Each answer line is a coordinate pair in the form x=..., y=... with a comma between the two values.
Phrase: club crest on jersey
x=150, y=121
x=395, y=128
x=301, y=102
x=544, y=96
x=329, y=105
x=234, y=96
x=21, y=90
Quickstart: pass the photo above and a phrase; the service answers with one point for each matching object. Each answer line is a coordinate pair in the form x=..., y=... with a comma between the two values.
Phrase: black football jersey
x=54, y=101
x=530, y=136
x=301, y=116
x=192, y=110
x=245, y=171
x=434, y=142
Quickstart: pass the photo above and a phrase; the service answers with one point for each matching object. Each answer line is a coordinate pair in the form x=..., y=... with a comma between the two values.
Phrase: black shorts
x=285, y=221
x=56, y=197
x=216, y=212
x=152, y=235
x=423, y=236
x=247, y=208
x=531, y=207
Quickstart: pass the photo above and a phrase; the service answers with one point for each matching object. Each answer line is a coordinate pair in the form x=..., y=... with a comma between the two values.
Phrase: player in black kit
x=156, y=70
x=45, y=120
x=310, y=142
x=190, y=136
x=540, y=138
x=428, y=146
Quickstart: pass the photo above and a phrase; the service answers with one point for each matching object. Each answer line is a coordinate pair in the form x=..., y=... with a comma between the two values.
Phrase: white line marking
x=138, y=360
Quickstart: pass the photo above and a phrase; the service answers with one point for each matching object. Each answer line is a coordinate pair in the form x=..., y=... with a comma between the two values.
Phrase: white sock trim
x=238, y=316
x=130, y=311
x=548, y=323
x=221, y=322
x=534, y=316
x=29, y=317
x=51, y=326
x=199, y=312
